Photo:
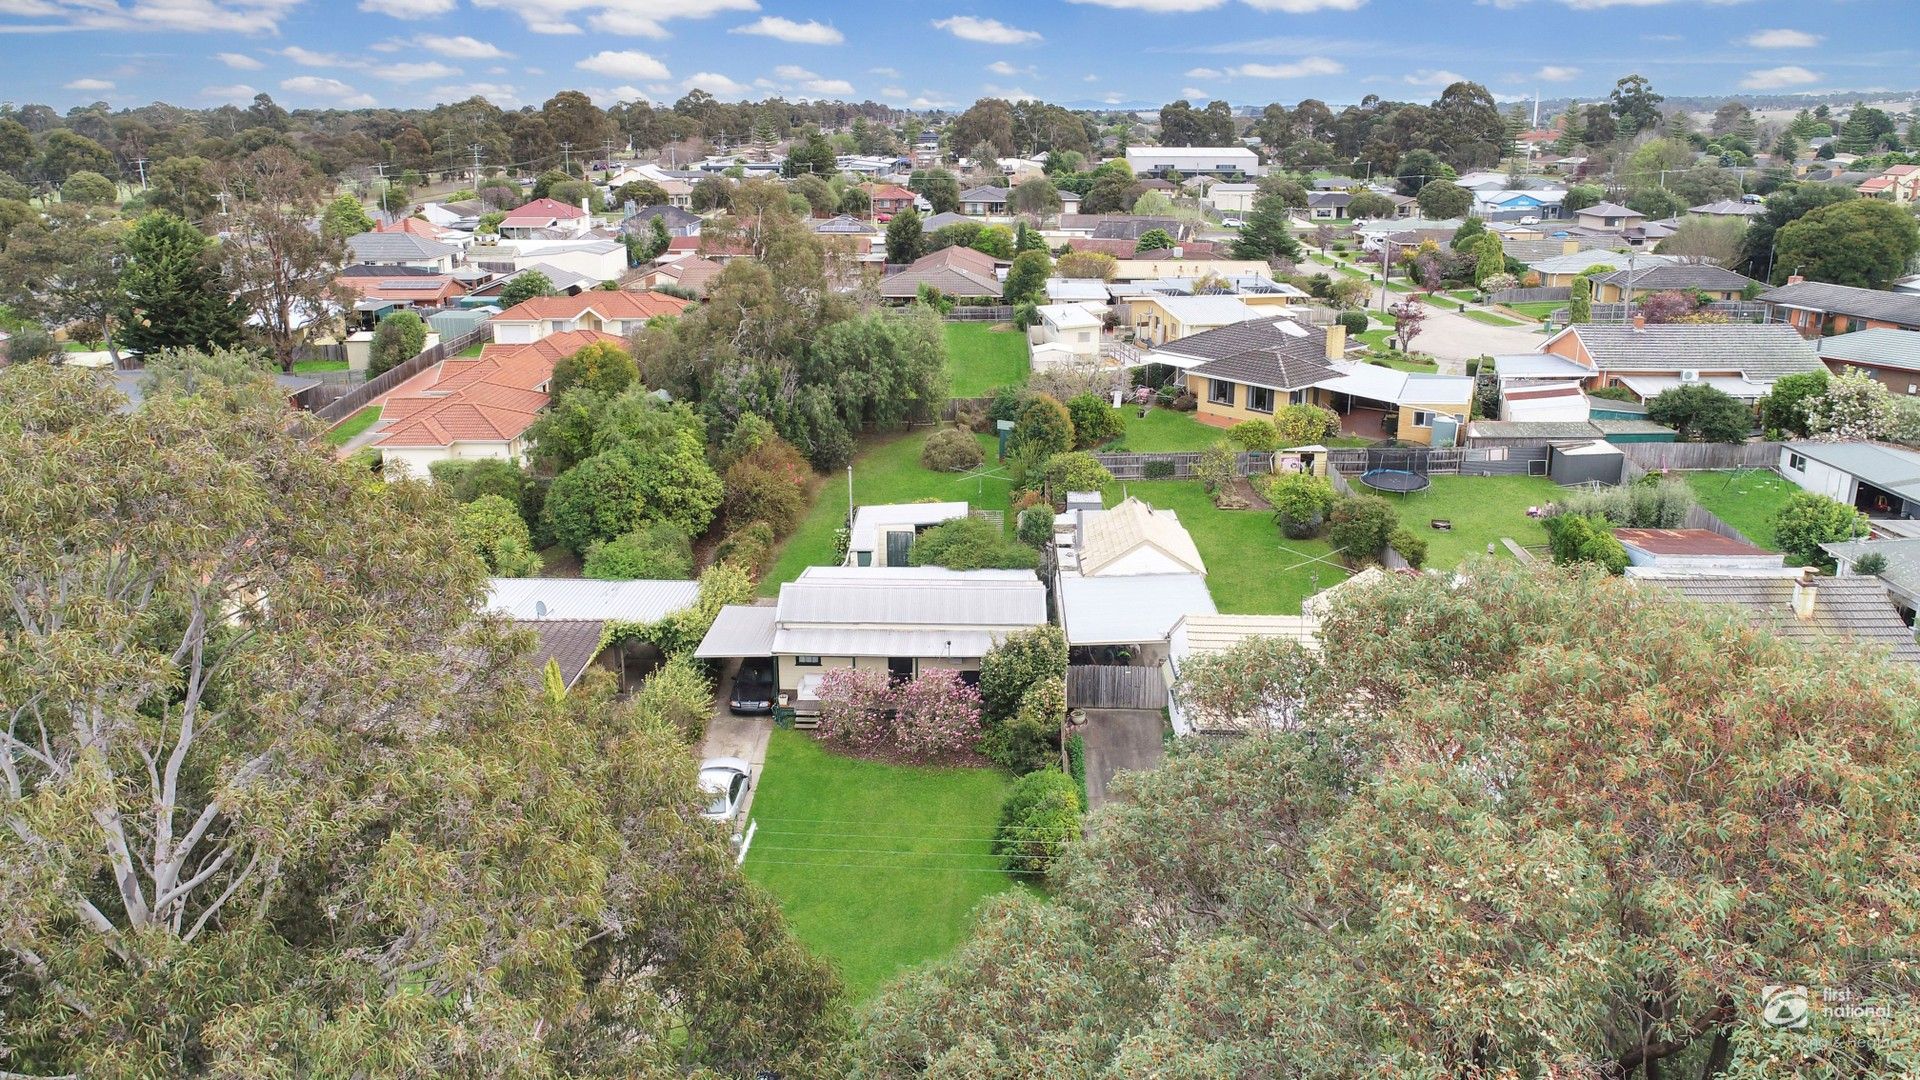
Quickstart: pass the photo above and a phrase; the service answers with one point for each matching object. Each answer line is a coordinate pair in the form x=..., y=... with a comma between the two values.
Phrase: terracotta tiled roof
x=414, y=288
x=490, y=398
x=412, y=226
x=607, y=305
x=890, y=191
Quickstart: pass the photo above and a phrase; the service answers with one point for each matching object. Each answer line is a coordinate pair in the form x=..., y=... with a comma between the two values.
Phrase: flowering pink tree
x=1669, y=306
x=936, y=714
x=853, y=707
x=1408, y=315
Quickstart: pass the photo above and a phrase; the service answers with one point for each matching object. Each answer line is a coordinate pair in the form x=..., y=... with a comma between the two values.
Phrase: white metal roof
x=868, y=519
x=1202, y=634
x=1651, y=386
x=579, y=598
x=739, y=630
x=1394, y=385
x=1206, y=310
x=1068, y=316
x=1131, y=610
x=1539, y=365
x=920, y=597
x=1076, y=290
x=841, y=641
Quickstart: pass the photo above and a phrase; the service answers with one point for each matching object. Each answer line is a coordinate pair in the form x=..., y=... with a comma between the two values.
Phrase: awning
x=741, y=630
x=854, y=641
x=1131, y=609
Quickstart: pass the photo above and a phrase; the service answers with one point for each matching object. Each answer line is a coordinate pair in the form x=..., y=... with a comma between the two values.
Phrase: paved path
x=1116, y=740
x=737, y=736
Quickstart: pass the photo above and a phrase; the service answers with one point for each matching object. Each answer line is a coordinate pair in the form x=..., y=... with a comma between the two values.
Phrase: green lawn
x=310, y=367
x=1166, y=431
x=353, y=425
x=1251, y=568
x=1376, y=339
x=877, y=866
x=1482, y=508
x=473, y=349
x=1747, y=499
x=1539, y=309
x=982, y=358
x=1440, y=300
x=1489, y=318
x=886, y=472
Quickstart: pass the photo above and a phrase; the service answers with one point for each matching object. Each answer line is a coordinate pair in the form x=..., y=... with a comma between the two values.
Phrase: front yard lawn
x=353, y=425
x=982, y=358
x=877, y=866
x=1489, y=318
x=1538, y=309
x=1747, y=499
x=885, y=472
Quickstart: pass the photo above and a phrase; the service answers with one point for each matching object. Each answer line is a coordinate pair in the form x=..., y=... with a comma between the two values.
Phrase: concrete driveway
x=737, y=736
x=1116, y=740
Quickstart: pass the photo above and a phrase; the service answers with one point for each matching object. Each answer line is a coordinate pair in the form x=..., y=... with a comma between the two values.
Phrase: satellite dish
x=540, y=609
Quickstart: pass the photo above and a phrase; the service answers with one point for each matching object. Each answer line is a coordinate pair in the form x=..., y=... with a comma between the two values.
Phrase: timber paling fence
x=1102, y=686
x=1454, y=461
x=1687, y=457
x=352, y=401
x=1134, y=466
x=1531, y=296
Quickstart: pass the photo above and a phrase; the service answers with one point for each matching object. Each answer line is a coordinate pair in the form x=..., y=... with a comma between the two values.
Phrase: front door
x=899, y=547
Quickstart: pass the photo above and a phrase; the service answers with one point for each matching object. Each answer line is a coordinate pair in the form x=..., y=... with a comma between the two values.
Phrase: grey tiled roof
x=1607, y=209
x=986, y=193
x=1902, y=308
x=1879, y=346
x=1845, y=608
x=1133, y=228
x=1679, y=276
x=367, y=247
x=1759, y=350
x=1261, y=352
x=1903, y=559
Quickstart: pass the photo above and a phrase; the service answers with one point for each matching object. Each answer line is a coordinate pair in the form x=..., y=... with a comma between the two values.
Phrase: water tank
x=1446, y=430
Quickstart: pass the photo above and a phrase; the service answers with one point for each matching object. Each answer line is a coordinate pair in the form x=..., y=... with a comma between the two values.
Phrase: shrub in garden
x=492, y=527
x=656, y=551
x=602, y=367
x=1807, y=520
x=1300, y=425
x=465, y=481
x=1030, y=738
x=397, y=338
x=1410, y=545
x=768, y=483
x=1360, y=527
x=1043, y=427
x=1216, y=467
x=1075, y=470
x=1158, y=470
x=951, y=450
x=1184, y=401
x=930, y=716
x=1259, y=436
x=1574, y=538
x=1006, y=403
x=1040, y=817
x=1034, y=526
x=970, y=543
x=1354, y=321
x=853, y=706
x=1095, y=421
x=1662, y=504
x=750, y=548
x=1300, y=503
x=1009, y=668
x=678, y=694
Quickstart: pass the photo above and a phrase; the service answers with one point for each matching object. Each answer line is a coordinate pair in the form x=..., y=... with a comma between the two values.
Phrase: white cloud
x=1001, y=67
x=1435, y=79
x=1203, y=73
x=829, y=87
x=542, y=25
x=794, y=72
x=306, y=57
x=799, y=33
x=330, y=89
x=1556, y=73
x=986, y=31
x=460, y=46
x=1193, y=92
x=1778, y=78
x=1312, y=65
x=504, y=94
x=239, y=61
x=628, y=24
x=208, y=16
x=624, y=64
x=1595, y=5
x=1302, y=7
x=432, y=69
x=1011, y=93
x=628, y=18
x=234, y=92
x=891, y=73
x=1113, y=99
x=412, y=9
x=716, y=84
x=1162, y=7
x=89, y=84
x=1781, y=39
x=1091, y=78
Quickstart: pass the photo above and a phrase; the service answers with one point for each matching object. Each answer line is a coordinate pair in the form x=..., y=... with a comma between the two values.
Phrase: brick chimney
x=1568, y=247
x=1336, y=342
x=1794, y=279
x=1804, y=594
x=1639, y=324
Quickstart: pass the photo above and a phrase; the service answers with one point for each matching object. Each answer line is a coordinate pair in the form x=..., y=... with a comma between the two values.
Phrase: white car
x=724, y=782
x=1231, y=222
x=1529, y=221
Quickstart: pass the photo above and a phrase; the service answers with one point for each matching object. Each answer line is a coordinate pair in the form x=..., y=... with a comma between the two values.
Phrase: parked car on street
x=752, y=693
x=724, y=781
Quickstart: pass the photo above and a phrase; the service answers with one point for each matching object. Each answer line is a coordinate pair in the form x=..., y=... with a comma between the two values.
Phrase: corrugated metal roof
x=868, y=519
x=1201, y=635
x=1687, y=542
x=570, y=643
x=839, y=641
x=912, y=597
x=1880, y=347
x=739, y=630
x=1129, y=610
x=579, y=598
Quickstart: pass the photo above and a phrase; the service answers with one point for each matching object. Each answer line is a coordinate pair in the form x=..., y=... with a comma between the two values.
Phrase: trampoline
x=1398, y=481
x=1400, y=471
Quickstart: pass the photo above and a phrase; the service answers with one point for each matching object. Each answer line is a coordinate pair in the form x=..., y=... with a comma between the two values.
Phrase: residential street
x=1448, y=336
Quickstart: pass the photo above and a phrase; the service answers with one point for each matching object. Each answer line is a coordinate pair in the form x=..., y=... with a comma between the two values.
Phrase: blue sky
x=936, y=53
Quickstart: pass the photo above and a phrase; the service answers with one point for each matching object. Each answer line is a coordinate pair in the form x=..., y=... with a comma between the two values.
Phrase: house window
x=1220, y=391
x=900, y=668
x=863, y=558
x=1297, y=397
x=1422, y=418
x=806, y=661
x=1797, y=462
x=1259, y=399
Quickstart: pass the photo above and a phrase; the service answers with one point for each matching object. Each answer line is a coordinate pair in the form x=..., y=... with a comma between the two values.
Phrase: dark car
x=752, y=687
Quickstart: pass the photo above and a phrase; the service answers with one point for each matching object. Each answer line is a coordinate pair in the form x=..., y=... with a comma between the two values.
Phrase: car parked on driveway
x=724, y=783
x=752, y=692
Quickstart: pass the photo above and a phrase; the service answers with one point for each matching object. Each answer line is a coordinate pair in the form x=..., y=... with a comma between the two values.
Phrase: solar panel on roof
x=411, y=284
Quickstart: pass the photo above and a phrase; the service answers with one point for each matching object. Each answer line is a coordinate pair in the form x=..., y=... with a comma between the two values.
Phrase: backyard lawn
x=1251, y=568
x=353, y=425
x=877, y=866
x=1482, y=508
x=885, y=472
x=1747, y=499
x=1166, y=431
x=981, y=358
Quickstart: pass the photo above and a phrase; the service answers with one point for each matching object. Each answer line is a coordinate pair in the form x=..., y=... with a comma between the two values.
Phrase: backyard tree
x=397, y=338
x=1850, y=408
x=1153, y=240
x=970, y=543
x=602, y=367
x=951, y=450
x=281, y=271
x=1807, y=520
x=1036, y=196
x=1455, y=775
x=345, y=217
x=657, y=552
x=1581, y=196
x=173, y=293
x=1491, y=258
x=1866, y=243
x=903, y=236
x=1784, y=409
x=1759, y=257
x=1011, y=668
x=64, y=273
x=1038, y=821
x=1442, y=199
x=524, y=286
x=491, y=528
x=1408, y=315
x=1578, y=538
x=357, y=790
x=1267, y=232
x=1074, y=470
x=1359, y=527
x=1580, y=300
x=1095, y=421
x=1299, y=425
x=1300, y=502
x=1027, y=277
x=86, y=188
x=1701, y=413
x=1041, y=428
x=1094, y=265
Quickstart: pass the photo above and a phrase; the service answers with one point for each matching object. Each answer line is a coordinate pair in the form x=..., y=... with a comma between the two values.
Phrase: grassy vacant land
x=981, y=358
x=353, y=425
x=1747, y=499
x=886, y=472
x=877, y=866
x=1489, y=318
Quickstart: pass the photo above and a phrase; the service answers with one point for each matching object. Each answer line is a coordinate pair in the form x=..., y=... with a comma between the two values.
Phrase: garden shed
x=1597, y=461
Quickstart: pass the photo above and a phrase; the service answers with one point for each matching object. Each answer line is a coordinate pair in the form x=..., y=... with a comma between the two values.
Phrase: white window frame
x=1796, y=462
x=1426, y=423
x=1214, y=396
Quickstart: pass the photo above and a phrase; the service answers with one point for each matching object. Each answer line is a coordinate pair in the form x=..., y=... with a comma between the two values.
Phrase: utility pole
x=141, y=164
x=223, y=197
x=475, y=147
x=566, y=158
x=380, y=170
